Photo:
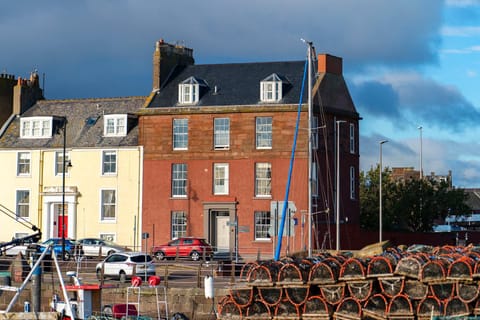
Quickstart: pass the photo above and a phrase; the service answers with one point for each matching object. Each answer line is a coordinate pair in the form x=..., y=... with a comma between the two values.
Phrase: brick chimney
x=166, y=58
x=26, y=93
x=329, y=64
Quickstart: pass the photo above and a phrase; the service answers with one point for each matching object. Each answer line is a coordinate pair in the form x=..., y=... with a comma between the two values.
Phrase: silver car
x=124, y=265
x=93, y=247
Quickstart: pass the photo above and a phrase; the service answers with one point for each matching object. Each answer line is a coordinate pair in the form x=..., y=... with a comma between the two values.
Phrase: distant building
x=402, y=174
x=217, y=143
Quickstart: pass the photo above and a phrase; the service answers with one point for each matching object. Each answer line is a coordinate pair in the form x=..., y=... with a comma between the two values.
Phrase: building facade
x=218, y=141
x=73, y=168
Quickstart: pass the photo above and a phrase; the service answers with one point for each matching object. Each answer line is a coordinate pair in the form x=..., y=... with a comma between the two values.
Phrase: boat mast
x=309, y=54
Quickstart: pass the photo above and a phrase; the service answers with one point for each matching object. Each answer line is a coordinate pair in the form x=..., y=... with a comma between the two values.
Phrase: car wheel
x=195, y=255
x=123, y=277
x=99, y=274
x=67, y=255
x=160, y=255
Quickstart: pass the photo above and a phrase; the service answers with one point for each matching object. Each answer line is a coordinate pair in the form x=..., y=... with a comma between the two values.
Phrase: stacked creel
x=419, y=282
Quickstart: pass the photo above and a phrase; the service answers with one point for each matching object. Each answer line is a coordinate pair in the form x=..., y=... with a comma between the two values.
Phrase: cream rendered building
x=101, y=187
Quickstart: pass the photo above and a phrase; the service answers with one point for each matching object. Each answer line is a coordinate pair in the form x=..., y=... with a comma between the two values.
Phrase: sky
x=408, y=64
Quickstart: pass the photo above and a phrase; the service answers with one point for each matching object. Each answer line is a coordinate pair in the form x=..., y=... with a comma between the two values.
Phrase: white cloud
x=463, y=31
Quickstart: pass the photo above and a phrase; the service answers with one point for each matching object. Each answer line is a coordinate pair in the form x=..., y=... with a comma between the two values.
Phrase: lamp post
x=380, y=219
x=63, y=185
x=337, y=246
x=420, y=128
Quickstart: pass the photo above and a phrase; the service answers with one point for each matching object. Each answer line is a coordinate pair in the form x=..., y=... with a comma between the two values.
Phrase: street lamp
x=380, y=219
x=421, y=152
x=65, y=166
x=337, y=247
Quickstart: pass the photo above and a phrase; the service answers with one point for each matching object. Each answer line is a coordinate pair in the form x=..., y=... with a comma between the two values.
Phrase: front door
x=60, y=221
x=222, y=234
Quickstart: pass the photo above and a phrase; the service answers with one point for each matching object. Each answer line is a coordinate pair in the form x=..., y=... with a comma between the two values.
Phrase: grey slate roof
x=81, y=133
x=239, y=84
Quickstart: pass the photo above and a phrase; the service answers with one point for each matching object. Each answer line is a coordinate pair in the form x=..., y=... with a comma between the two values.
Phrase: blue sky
x=407, y=63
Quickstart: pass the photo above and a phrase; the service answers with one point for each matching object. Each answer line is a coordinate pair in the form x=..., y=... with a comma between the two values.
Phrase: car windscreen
x=140, y=259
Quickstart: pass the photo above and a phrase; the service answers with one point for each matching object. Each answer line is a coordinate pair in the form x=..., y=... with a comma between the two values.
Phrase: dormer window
x=115, y=125
x=271, y=88
x=189, y=90
x=36, y=127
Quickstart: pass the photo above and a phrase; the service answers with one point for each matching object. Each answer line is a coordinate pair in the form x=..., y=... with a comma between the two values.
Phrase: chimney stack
x=330, y=64
x=166, y=58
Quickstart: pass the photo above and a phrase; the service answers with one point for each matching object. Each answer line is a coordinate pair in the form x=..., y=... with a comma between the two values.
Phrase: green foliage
x=412, y=205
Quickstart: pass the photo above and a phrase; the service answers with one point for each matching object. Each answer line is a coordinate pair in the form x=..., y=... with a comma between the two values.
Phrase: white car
x=93, y=247
x=124, y=265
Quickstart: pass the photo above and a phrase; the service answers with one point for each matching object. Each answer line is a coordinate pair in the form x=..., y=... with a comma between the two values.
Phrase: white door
x=222, y=240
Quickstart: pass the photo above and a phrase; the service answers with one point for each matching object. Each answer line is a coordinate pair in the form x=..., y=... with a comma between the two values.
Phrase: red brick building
x=217, y=146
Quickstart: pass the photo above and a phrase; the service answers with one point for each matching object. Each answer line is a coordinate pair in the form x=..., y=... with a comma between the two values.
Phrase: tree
x=411, y=205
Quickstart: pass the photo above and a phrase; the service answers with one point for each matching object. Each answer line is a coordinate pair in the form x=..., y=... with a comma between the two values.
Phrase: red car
x=195, y=248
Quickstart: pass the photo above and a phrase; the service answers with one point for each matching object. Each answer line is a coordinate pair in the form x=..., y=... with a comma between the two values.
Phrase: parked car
x=72, y=248
x=195, y=248
x=124, y=265
x=93, y=247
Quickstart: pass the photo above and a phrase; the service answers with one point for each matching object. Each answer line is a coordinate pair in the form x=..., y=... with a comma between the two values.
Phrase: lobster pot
x=476, y=309
x=246, y=270
x=456, y=308
x=258, y=310
x=379, y=266
x=263, y=275
x=400, y=306
x=292, y=273
x=467, y=291
x=242, y=297
x=461, y=269
x=443, y=291
x=476, y=269
x=376, y=307
x=415, y=290
x=348, y=308
x=434, y=270
x=270, y=295
x=410, y=266
x=324, y=272
x=353, y=269
x=360, y=290
x=334, y=293
x=227, y=309
x=391, y=286
x=316, y=308
x=286, y=309
x=428, y=307
x=297, y=295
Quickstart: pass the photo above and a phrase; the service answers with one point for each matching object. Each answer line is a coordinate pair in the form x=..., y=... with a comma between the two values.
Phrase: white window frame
x=180, y=134
x=263, y=132
x=19, y=204
x=36, y=127
x=352, y=183
x=179, y=180
x=271, y=89
x=115, y=125
x=178, y=224
x=188, y=93
x=262, y=229
x=220, y=178
x=24, y=163
x=105, y=153
x=221, y=134
x=59, y=162
x=352, y=138
x=263, y=179
x=104, y=205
